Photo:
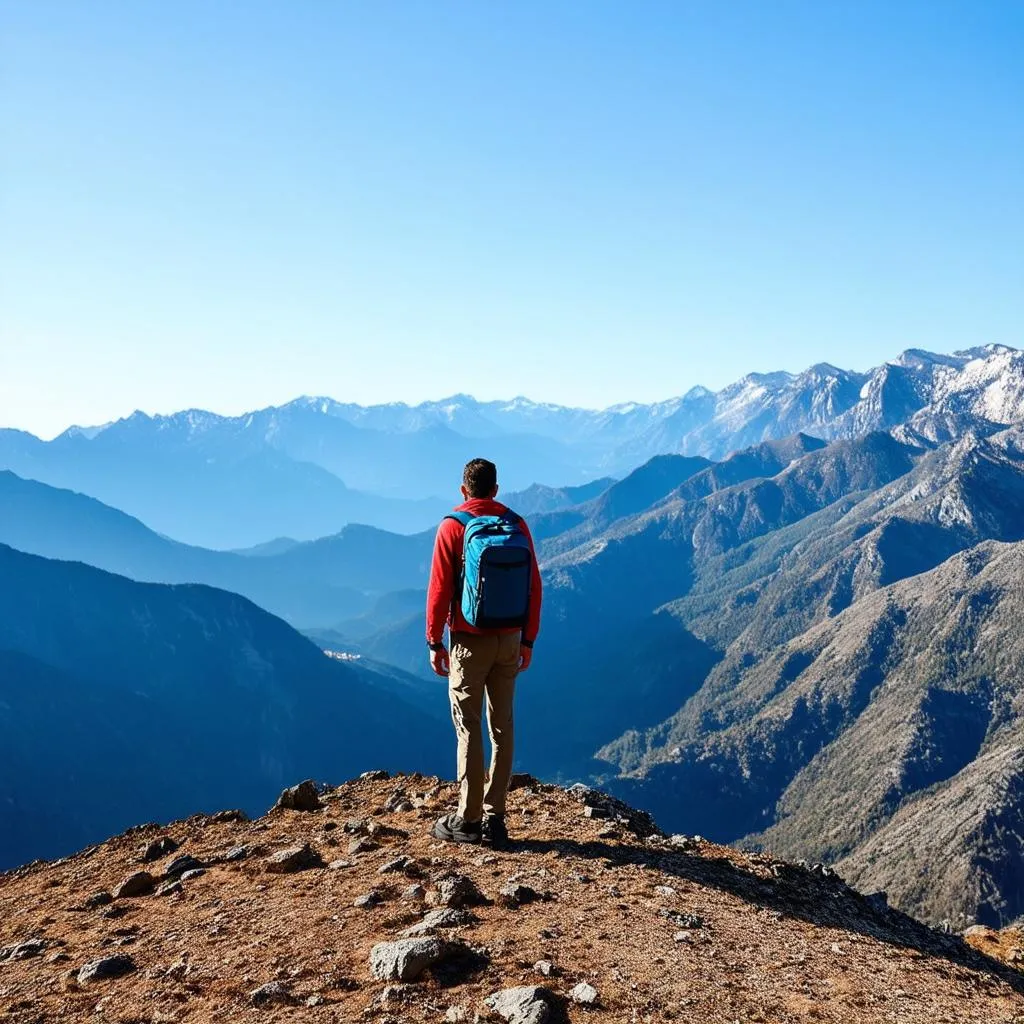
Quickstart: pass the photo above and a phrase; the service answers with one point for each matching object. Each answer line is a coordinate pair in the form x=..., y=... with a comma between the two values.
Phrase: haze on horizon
x=212, y=207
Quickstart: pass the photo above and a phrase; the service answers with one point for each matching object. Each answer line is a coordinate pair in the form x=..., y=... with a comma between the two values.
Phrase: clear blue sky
x=226, y=205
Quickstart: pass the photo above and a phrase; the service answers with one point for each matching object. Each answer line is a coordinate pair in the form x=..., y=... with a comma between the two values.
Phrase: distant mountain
x=122, y=702
x=307, y=468
x=312, y=584
x=212, y=487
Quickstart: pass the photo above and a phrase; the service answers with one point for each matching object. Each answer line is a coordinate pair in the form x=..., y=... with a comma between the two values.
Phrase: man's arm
x=440, y=592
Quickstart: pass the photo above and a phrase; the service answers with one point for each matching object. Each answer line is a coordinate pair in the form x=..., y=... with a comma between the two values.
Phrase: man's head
x=479, y=479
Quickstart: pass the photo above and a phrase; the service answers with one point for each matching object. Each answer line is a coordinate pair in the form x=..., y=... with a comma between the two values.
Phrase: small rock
x=159, y=848
x=171, y=888
x=545, y=967
x=407, y=959
x=682, y=936
x=443, y=917
x=271, y=994
x=584, y=994
x=315, y=1000
x=236, y=853
x=180, y=865
x=98, y=899
x=27, y=949
x=112, y=913
x=528, y=1004
x=521, y=780
x=193, y=873
x=106, y=967
x=456, y=1015
x=355, y=826
x=683, y=920
x=140, y=883
x=338, y=865
x=293, y=858
x=455, y=890
x=368, y=900
x=377, y=775
x=378, y=830
x=360, y=845
x=57, y=958
x=664, y=890
x=403, y=863
x=515, y=894
x=227, y=817
x=681, y=842
x=414, y=892
x=302, y=797
x=878, y=900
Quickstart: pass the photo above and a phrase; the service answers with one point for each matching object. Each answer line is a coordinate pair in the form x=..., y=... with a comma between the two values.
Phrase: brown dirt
x=778, y=944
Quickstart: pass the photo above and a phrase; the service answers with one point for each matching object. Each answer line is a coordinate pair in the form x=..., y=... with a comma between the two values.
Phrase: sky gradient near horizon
x=224, y=206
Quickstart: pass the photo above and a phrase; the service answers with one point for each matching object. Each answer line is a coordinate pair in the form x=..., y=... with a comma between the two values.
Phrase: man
x=491, y=634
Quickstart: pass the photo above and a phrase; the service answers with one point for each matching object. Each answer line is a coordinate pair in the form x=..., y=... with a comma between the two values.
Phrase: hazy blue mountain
x=312, y=584
x=540, y=498
x=123, y=702
x=233, y=482
x=200, y=482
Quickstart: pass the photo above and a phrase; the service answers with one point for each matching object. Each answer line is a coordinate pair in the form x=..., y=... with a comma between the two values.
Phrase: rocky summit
x=593, y=915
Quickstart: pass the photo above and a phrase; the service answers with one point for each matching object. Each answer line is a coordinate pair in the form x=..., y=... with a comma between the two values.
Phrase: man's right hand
x=439, y=662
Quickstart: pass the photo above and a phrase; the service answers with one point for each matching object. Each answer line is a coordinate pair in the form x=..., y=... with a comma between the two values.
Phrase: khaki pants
x=483, y=664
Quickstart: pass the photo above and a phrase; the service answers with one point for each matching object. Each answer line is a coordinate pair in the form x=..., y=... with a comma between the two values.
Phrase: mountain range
x=306, y=469
x=806, y=644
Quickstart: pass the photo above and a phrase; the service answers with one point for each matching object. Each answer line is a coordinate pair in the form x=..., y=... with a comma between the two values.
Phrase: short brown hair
x=480, y=478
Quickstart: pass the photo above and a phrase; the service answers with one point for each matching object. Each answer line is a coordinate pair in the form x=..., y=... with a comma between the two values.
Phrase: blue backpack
x=497, y=567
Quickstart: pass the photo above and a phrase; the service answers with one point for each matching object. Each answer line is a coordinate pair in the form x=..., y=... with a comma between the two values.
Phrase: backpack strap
x=465, y=518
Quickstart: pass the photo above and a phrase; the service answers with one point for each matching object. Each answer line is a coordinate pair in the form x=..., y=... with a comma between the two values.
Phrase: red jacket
x=444, y=574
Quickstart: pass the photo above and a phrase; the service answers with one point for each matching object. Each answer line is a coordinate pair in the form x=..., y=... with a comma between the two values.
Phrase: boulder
x=407, y=959
x=302, y=797
x=98, y=899
x=528, y=1004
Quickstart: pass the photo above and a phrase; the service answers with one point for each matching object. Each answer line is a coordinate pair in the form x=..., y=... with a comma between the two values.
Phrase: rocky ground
x=350, y=911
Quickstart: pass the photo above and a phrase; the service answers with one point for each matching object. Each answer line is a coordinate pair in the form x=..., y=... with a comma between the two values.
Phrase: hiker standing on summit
x=485, y=584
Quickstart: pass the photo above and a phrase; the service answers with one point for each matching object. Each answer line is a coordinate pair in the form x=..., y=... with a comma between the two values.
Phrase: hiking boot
x=495, y=832
x=453, y=829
